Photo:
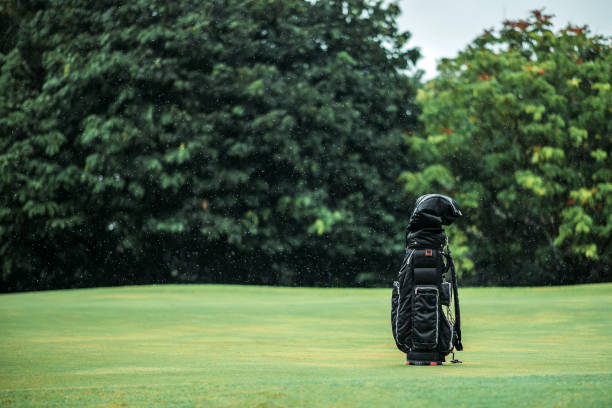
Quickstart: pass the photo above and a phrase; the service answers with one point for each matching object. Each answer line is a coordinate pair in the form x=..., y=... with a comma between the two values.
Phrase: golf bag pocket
x=401, y=323
x=426, y=276
x=445, y=294
x=426, y=258
x=425, y=317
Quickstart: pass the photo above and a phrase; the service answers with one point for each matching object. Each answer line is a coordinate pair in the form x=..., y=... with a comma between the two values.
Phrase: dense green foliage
x=249, y=346
x=219, y=141
x=518, y=128
x=262, y=142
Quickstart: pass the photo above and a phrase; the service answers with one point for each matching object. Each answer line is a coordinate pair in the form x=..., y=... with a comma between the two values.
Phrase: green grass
x=239, y=346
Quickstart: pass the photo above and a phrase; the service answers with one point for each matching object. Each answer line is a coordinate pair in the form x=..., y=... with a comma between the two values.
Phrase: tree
x=518, y=129
x=220, y=141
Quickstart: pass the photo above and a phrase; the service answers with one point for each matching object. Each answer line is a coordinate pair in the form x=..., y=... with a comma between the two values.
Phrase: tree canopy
x=518, y=128
x=268, y=141
x=219, y=141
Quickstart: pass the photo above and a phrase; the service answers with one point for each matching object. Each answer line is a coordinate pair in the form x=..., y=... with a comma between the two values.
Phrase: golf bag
x=424, y=327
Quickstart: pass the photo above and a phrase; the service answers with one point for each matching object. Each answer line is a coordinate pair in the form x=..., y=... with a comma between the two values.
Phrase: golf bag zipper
x=409, y=257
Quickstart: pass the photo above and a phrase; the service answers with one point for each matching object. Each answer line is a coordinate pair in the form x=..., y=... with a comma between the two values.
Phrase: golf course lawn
x=247, y=346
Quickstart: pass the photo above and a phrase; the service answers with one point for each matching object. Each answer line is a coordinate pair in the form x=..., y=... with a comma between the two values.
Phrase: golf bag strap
x=458, y=346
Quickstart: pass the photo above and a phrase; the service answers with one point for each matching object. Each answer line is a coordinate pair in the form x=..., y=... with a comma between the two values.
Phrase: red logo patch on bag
x=428, y=252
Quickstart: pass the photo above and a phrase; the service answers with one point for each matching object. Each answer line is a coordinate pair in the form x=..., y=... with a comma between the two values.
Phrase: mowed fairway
x=241, y=346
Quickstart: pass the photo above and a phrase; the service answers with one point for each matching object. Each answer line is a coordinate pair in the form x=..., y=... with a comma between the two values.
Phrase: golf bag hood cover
x=431, y=212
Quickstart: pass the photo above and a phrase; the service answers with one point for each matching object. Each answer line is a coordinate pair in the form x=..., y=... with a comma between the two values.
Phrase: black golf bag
x=424, y=326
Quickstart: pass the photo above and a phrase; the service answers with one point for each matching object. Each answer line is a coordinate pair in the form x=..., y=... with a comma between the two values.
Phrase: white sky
x=440, y=28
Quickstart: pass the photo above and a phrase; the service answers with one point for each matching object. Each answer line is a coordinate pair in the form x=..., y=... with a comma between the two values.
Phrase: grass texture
x=245, y=346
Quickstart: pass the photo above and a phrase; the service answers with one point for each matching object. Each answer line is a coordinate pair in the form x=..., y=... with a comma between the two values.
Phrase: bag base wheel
x=423, y=363
x=424, y=358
